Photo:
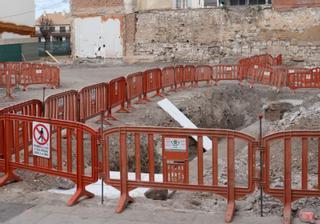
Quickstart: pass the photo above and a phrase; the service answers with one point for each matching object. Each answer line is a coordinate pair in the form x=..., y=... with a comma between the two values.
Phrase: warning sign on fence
x=41, y=139
x=175, y=144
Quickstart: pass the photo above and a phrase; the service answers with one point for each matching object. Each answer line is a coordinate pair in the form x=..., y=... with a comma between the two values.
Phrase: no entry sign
x=41, y=139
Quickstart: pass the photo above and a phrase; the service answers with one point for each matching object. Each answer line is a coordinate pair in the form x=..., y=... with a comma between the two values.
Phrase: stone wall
x=225, y=34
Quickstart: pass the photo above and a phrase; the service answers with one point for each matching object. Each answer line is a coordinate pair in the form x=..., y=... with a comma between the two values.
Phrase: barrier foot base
x=123, y=202
x=110, y=117
x=123, y=110
x=103, y=121
x=159, y=95
x=140, y=101
x=146, y=99
x=9, y=178
x=81, y=192
x=230, y=212
x=130, y=107
x=287, y=214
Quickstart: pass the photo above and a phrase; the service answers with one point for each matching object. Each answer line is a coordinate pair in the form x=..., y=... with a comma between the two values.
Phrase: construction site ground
x=227, y=105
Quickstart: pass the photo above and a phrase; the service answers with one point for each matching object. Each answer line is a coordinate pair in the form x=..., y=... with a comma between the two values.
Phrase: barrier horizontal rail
x=64, y=158
x=93, y=101
x=64, y=106
x=293, y=144
x=175, y=157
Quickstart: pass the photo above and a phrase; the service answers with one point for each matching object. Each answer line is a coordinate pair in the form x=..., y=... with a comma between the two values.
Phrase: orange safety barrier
x=168, y=78
x=292, y=144
x=203, y=73
x=178, y=76
x=30, y=108
x=175, y=162
x=135, y=89
x=278, y=60
x=259, y=75
x=151, y=83
x=303, y=79
x=93, y=101
x=68, y=159
x=116, y=96
x=189, y=75
x=224, y=72
x=32, y=74
x=63, y=106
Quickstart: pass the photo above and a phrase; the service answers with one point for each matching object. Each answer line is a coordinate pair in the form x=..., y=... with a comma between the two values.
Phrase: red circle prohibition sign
x=43, y=134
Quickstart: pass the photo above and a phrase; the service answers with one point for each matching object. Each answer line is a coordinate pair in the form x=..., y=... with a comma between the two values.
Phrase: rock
x=157, y=194
x=64, y=184
x=195, y=202
x=306, y=216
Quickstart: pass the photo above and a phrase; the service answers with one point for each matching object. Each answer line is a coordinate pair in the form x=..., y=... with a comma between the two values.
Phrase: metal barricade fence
x=178, y=76
x=151, y=83
x=63, y=106
x=67, y=160
x=92, y=101
x=171, y=170
x=224, y=72
x=134, y=89
x=203, y=73
x=116, y=96
x=189, y=75
x=294, y=150
x=168, y=78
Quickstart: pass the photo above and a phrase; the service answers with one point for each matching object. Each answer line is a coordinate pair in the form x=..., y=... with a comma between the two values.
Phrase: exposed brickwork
x=79, y=7
x=287, y=4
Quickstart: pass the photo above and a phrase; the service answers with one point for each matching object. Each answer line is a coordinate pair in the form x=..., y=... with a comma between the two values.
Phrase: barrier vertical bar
x=151, y=157
x=287, y=181
x=200, y=159
x=9, y=175
x=215, y=161
x=124, y=190
x=304, y=165
x=231, y=182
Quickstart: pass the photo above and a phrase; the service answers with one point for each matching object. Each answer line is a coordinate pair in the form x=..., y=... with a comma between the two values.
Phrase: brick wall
x=287, y=4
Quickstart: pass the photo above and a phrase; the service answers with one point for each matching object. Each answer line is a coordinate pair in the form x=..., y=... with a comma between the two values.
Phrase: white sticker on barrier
x=175, y=144
x=41, y=139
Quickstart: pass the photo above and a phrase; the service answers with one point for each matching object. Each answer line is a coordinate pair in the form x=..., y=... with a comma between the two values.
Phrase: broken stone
x=64, y=184
x=195, y=202
x=157, y=194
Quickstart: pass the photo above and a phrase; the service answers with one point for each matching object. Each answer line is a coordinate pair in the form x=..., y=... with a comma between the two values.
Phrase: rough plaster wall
x=214, y=35
x=97, y=37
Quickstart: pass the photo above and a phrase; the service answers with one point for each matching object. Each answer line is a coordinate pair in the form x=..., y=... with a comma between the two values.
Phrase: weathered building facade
x=133, y=31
